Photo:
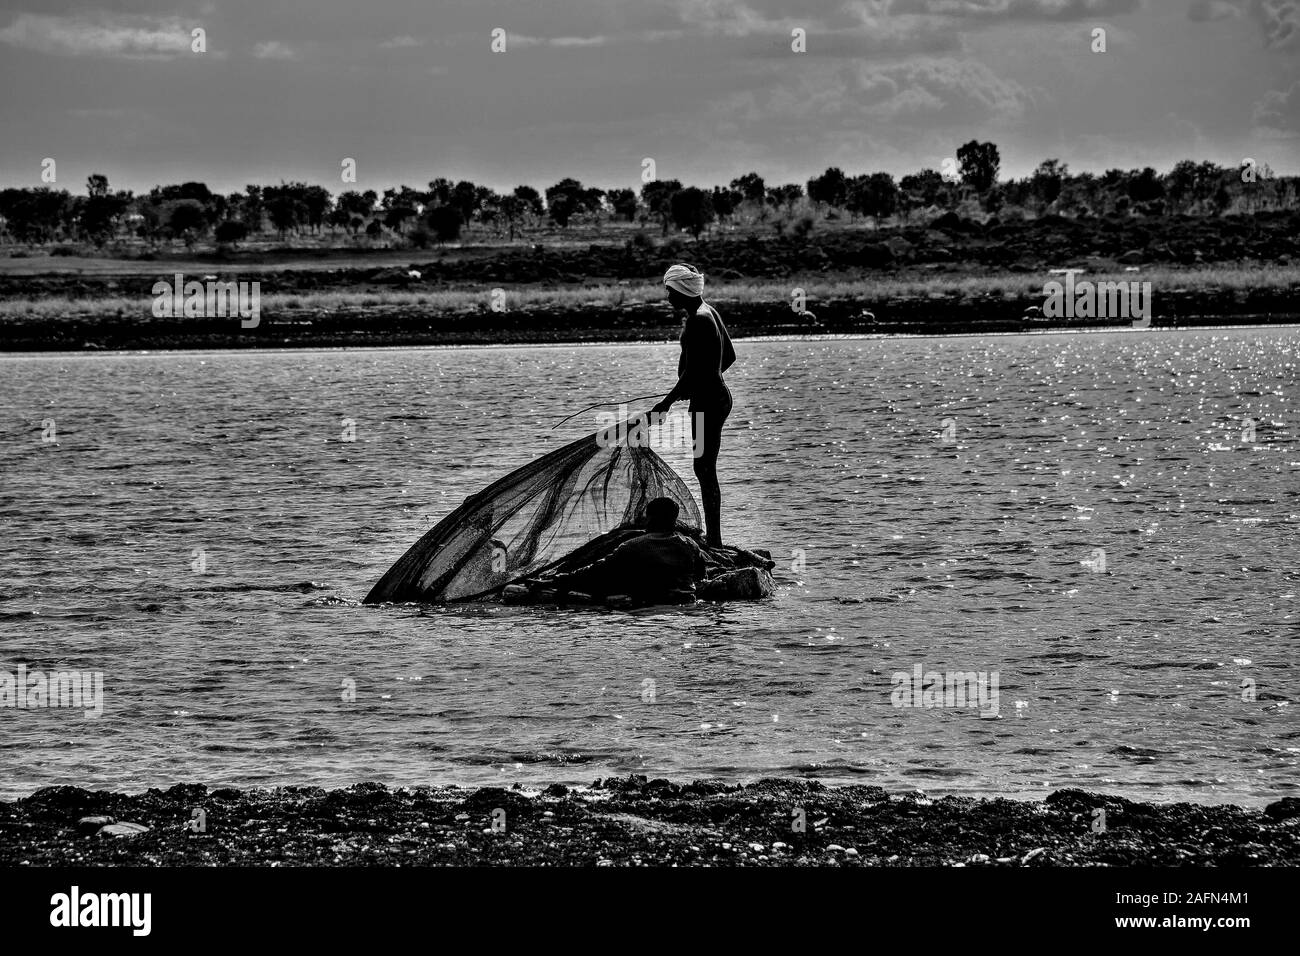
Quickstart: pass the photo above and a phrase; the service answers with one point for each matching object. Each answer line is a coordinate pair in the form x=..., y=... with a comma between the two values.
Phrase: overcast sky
x=588, y=88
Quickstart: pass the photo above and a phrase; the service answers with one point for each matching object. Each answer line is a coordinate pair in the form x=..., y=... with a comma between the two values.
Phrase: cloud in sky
x=1280, y=110
x=1278, y=20
x=960, y=90
x=566, y=41
x=1207, y=11
x=864, y=27
x=132, y=37
x=1036, y=10
x=590, y=87
x=274, y=50
x=931, y=93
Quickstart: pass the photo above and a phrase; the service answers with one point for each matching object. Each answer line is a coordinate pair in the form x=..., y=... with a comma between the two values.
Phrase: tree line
x=970, y=181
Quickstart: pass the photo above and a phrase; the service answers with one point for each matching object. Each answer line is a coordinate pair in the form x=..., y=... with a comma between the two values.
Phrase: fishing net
x=528, y=521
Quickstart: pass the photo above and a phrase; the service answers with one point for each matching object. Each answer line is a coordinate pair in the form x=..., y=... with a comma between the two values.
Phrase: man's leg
x=706, y=428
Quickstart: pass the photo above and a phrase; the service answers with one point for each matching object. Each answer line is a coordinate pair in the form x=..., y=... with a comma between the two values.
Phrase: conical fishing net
x=532, y=518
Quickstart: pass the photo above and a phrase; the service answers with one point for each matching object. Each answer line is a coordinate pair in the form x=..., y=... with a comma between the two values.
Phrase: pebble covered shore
x=629, y=822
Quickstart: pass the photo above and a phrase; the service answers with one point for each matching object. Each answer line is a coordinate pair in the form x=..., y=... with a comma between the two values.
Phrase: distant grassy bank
x=1013, y=289
x=952, y=275
x=610, y=311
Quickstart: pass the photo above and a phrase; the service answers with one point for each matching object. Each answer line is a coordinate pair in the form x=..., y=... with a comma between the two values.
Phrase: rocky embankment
x=628, y=822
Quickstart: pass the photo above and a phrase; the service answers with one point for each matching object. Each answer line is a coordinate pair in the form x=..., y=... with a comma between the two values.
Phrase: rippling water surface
x=946, y=503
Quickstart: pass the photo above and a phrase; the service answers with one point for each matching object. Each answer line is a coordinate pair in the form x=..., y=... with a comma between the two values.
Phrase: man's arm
x=699, y=566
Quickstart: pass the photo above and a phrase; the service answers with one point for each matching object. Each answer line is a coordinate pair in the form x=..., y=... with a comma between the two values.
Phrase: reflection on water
x=1107, y=522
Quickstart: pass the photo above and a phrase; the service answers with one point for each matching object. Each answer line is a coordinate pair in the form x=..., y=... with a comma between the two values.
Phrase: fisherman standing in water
x=706, y=354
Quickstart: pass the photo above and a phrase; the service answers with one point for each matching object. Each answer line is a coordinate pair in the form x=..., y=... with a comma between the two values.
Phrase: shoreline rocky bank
x=406, y=325
x=632, y=821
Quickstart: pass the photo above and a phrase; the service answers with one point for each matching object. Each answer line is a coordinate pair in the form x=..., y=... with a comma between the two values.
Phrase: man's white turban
x=687, y=280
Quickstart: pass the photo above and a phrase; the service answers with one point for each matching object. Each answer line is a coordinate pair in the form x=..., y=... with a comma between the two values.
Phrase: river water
x=1103, y=524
